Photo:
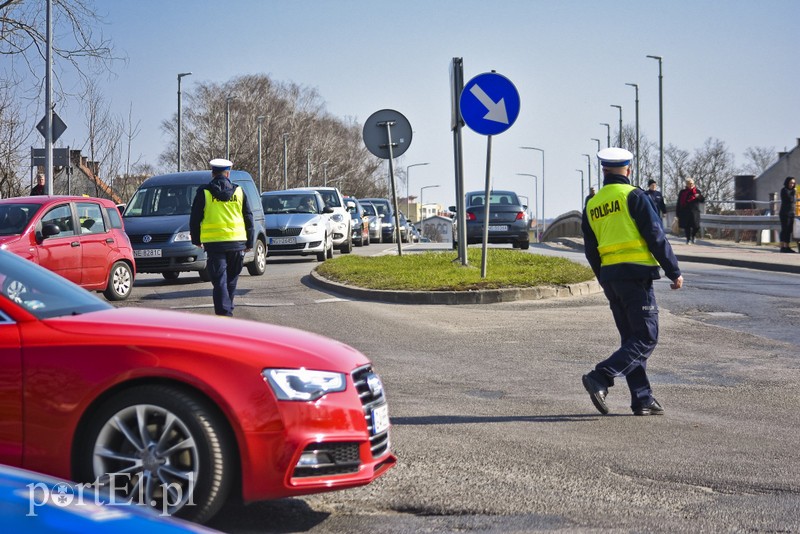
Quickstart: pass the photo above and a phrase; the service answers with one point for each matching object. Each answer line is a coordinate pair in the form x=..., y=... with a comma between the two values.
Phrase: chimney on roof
x=798, y=141
x=781, y=154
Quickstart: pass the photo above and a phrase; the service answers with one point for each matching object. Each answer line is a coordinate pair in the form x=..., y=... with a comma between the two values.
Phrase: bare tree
x=712, y=168
x=104, y=138
x=333, y=147
x=14, y=135
x=758, y=159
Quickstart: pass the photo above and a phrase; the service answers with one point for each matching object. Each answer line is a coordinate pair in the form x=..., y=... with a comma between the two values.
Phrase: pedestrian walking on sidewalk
x=656, y=198
x=688, y=210
x=625, y=244
x=222, y=223
x=787, y=213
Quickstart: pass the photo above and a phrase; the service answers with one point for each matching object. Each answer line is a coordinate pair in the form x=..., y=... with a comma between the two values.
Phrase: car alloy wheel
x=161, y=447
x=259, y=264
x=120, y=282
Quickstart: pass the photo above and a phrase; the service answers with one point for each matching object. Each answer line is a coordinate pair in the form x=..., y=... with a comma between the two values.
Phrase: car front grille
x=333, y=459
x=279, y=248
x=154, y=239
x=379, y=443
x=283, y=232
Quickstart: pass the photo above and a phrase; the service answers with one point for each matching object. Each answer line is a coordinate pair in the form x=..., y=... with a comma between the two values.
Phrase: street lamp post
x=608, y=133
x=181, y=75
x=308, y=167
x=636, y=87
x=421, y=189
x=260, y=120
x=228, y=127
x=285, y=162
x=589, y=166
x=598, y=165
x=660, y=125
x=325, y=173
x=408, y=181
x=582, y=185
x=544, y=221
x=620, y=123
x=535, y=196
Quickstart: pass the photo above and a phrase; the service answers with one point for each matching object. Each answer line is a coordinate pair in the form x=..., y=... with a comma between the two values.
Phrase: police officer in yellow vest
x=625, y=244
x=222, y=223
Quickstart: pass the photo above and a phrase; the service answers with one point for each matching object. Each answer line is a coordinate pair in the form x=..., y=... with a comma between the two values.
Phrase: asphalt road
x=495, y=433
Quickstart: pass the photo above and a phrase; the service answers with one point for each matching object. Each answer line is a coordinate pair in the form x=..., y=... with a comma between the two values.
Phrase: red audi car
x=80, y=238
x=179, y=411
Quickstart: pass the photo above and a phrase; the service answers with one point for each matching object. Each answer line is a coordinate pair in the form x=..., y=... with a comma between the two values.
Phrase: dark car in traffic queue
x=157, y=223
x=508, y=219
x=373, y=221
x=360, y=226
x=386, y=214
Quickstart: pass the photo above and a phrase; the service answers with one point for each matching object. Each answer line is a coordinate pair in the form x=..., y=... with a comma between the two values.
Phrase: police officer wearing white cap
x=222, y=223
x=625, y=245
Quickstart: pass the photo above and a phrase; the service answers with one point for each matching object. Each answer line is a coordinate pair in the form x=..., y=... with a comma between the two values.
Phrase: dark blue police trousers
x=633, y=304
x=224, y=268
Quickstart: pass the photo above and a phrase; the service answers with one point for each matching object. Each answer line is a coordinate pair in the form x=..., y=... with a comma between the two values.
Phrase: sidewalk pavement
x=720, y=252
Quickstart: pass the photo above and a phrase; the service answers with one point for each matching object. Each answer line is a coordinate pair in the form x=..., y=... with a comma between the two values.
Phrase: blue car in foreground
x=33, y=503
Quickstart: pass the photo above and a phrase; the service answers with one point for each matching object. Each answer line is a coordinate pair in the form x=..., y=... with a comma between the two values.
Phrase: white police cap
x=220, y=164
x=614, y=157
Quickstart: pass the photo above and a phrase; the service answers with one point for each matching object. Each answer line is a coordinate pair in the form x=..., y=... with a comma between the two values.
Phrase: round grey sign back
x=376, y=134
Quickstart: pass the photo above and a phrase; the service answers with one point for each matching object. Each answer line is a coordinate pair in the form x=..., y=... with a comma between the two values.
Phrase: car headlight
x=182, y=236
x=337, y=217
x=373, y=224
x=387, y=225
x=312, y=228
x=302, y=384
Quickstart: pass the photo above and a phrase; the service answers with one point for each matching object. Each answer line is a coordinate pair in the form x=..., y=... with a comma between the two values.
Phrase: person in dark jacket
x=688, y=210
x=221, y=222
x=656, y=198
x=625, y=244
x=39, y=189
x=787, y=213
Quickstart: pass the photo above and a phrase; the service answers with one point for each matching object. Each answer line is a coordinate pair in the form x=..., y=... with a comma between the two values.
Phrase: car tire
x=258, y=266
x=329, y=250
x=347, y=246
x=171, y=275
x=323, y=255
x=524, y=245
x=120, y=282
x=205, y=276
x=185, y=434
x=367, y=242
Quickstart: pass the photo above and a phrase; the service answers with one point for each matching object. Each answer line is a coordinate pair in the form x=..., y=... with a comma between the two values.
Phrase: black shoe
x=597, y=392
x=654, y=408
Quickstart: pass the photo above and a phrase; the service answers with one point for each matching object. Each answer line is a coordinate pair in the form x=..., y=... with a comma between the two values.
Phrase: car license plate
x=282, y=240
x=498, y=228
x=380, y=419
x=147, y=253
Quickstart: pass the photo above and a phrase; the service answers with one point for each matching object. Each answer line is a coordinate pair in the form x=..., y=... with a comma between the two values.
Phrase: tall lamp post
x=260, y=120
x=660, y=125
x=228, y=126
x=598, y=165
x=588, y=166
x=636, y=87
x=181, y=75
x=535, y=198
x=582, y=186
x=325, y=173
x=285, y=162
x=620, y=123
x=421, y=189
x=544, y=221
x=308, y=167
x=408, y=181
x=608, y=133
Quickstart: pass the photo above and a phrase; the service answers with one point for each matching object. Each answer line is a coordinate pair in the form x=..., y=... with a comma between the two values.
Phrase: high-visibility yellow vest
x=618, y=238
x=222, y=220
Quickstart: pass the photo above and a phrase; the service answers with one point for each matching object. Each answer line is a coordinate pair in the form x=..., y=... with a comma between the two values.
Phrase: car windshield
x=382, y=208
x=289, y=203
x=161, y=201
x=14, y=217
x=331, y=199
x=42, y=292
x=369, y=209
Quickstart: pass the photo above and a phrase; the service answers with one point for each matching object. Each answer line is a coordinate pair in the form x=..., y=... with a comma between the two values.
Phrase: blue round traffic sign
x=489, y=103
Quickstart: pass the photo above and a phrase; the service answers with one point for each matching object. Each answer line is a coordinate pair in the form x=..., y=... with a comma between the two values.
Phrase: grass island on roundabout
x=440, y=278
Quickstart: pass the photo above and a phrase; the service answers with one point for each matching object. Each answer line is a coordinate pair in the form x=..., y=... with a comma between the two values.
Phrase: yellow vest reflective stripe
x=223, y=220
x=618, y=238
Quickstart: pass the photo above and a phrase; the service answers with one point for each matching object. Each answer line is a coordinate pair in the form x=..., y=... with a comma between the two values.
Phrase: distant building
x=761, y=188
x=81, y=179
x=438, y=229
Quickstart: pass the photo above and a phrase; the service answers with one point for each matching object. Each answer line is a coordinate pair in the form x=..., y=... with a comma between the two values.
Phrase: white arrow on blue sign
x=489, y=103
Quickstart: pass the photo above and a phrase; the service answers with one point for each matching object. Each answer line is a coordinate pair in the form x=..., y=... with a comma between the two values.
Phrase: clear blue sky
x=730, y=72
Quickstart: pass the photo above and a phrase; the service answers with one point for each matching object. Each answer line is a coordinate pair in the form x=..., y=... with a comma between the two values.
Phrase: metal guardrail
x=740, y=222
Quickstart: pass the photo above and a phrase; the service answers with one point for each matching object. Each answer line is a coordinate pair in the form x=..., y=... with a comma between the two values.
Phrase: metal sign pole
x=486, y=205
x=457, y=80
x=396, y=208
x=48, y=137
